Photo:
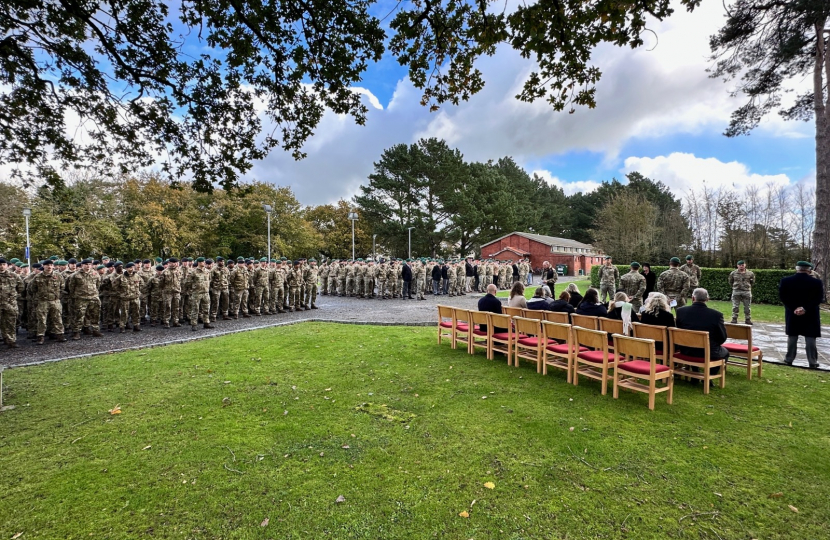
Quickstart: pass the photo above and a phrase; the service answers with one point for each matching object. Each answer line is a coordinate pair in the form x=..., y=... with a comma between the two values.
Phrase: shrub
x=716, y=281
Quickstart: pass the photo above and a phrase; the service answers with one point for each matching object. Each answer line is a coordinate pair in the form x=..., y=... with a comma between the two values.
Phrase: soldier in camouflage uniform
x=83, y=289
x=609, y=279
x=128, y=289
x=334, y=277
x=219, y=291
x=634, y=285
x=350, y=278
x=260, y=279
x=277, y=288
x=310, y=279
x=11, y=285
x=392, y=279
x=295, y=276
x=155, y=296
x=382, y=270
x=198, y=285
x=146, y=273
x=238, y=278
x=674, y=283
x=171, y=286
x=46, y=290
x=741, y=280
x=419, y=273
x=693, y=271
x=369, y=279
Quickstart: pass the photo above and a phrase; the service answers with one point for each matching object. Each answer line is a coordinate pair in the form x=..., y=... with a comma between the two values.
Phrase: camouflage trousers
x=739, y=297
x=393, y=289
x=8, y=322
x=310, y=294
x=171, y=301
x=324, y=285
x=49, y=311
x=349, y=289
x=239, y=301
x=420, y=283
x=381, y=288
x=156, y=307
x=605, y=289
x=369, y=286
x=87, y=313
x=130, y=309
x=277, y=297
x=199, y=308
x=294, y=299
x=219, y=303
x=256, y=301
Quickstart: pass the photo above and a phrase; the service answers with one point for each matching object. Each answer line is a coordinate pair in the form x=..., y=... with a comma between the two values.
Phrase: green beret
x=99, y=267
x=740, y=263
x=23, y=265
x=273, y=260
x=635, y=264
x=158, y=260
x=53, y=258
x=200, y=259
x=283, y=259
x=240, y=259
x=689, y=257
x=607, y=257
x=61, y=263
x=14, y=260
x=312, y=260
x=675, y=260
x=264, y=259
x=804, y=263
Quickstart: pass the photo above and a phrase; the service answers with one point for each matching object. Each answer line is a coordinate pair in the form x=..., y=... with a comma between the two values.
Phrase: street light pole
x=352, y=218
x=374, y=254
x=268, y=209
x=26, y=213
x=410, y=242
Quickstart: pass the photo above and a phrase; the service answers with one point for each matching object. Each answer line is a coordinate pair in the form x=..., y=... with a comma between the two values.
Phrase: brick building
x=539, y=248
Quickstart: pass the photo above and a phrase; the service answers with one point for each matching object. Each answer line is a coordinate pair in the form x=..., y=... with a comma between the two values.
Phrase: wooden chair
x=558, y=317
x=535, y=314
x=559, y=348
x=480, y=338
x=461, y=332
x=743, y=354
x=585, y=321
x=446, y=324
x=531, y=345
x=699, y=340
x=512, y=311
x=639, y=362
x=502, y=341
x=611, y=326
x=660, y=335
x=597, y=362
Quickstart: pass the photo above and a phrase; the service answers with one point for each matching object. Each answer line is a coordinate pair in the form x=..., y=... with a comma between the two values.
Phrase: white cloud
x=581, y=186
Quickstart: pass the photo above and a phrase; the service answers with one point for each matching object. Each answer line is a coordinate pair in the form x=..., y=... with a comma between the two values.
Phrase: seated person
x=490, y=303
x=617, y=305
x=591, y=305
x=576, y=298
x=563, y=305
x=657, y=311
x=517, y=296
x=699, y=316
x=539, y=301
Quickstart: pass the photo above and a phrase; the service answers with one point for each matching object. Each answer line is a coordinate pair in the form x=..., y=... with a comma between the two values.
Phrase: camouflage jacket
x=634, y=284
x=693, y=272
x=84, y=285
x=742, y=281
x=673, y=283
x=47, y=288
x=609, y=275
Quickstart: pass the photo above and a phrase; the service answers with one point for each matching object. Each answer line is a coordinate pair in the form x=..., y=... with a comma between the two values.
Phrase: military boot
x=748, y=321
x=208, y=325
x=76, y=336
x=96, y=333
x=59, y=338
x=193, y=327
x=314, y=306
x=136, y=328
x=40, y=340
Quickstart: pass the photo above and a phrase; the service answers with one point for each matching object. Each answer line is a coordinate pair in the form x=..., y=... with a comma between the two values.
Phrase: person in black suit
x=406, y=276
x=445, y=275
x=700, y=317
x=436, y=279
x=469, y=274
x=515, y=272
x=801, y=295
x=651, y=279
x=490, y=303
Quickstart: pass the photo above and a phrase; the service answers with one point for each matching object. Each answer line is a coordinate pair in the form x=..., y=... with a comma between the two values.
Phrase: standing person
x=469, y=274
x=171, y=286
x=11, y=286
x=436, y=279
x=609, y=279
x=549, y=276
x=155, y=296
x=406, y=276
x=310, y=278
x=128, y=289
x=198, y=286
x=46, y=290
x=515, y=267
x=634, y=286
x=651, y=279
x=674, y=283
x=693, y=271
x=219, y=291
x=238, y=285
x=801, y=295
x=445, y=280
x=83, y=289
x=741, y=281
x=294, y=281
x=700, y=317
x=419, y=273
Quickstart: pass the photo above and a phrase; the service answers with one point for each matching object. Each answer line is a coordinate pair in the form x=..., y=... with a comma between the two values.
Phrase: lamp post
x=27, y=212
x=352, y=218
x=374, y=254
x=268, y=210
x=410, y=242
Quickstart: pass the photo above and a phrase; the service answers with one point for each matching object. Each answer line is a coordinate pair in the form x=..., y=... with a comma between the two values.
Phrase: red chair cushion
x=738, y=348
x=563, y=349
x=594, y=356
x=445, y=324
x=480, y=333
x=462, y=327
x=530, y=341
x=686, y=357
x=641, y=367
x=658, y=352
x=504, y=336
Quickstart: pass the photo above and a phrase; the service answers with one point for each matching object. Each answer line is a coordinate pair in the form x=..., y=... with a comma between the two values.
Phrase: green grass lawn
x=760, y=312
x=400, y=428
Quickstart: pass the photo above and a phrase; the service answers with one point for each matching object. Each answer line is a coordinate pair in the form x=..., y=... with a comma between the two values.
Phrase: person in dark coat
x=700, y=317
x=539, y=301
x=490, y=303
x=801, y=295
x=576, y=297
x=563, y=305
x=445, y=275
x=469, y=274
x=406, y=276
x=590, y=305
x=657, y=312
x=515, y=272
x=651, y=279
x=436, y=279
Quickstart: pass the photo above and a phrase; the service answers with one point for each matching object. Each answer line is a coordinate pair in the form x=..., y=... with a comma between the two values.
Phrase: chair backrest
x=689, y=338
x=481, y=317
x=594, y=339
x=558, y=331
x=500, y=321
x=585, y=321
x=558, y=317
x=537, y=314
x=612, y=326
x=444, y=312
x=530, y=327
x=634, y=347
x=741, y=332
x=461, y=315
x=649, y=331
x=512, y=311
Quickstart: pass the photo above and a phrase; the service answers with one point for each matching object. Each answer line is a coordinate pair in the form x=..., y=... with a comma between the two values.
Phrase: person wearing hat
x=293, y=280
x=105, y=294
x=11, y=287
x=741, y=280
x=83, y=290
x=324, y=270
x=219, y=290
x=128, y=287
x=46, y=290
x=801, y=295
x=674, y=283
x=197, y=284
x=238, y=288
x=693, y=271
x=155, y=296
x=310, y=276
x=146, y=273
x=277, y=284
x=171, y=287
x=260, y=281
x=609, y=279
x=634, y=286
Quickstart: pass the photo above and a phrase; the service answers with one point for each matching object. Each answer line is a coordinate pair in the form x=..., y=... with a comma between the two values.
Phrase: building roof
x=514, y=250
x=551, y=241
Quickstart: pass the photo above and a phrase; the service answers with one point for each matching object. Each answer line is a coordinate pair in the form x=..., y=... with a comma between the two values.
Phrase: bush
x=716, y=281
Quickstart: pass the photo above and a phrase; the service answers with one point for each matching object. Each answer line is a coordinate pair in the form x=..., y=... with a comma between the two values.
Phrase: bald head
x=492, y=289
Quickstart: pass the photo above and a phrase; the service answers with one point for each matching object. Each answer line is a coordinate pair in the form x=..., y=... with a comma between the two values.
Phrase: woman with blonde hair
x=517, y=296
x=576, y=298
x=656, y=311
x=620, y=308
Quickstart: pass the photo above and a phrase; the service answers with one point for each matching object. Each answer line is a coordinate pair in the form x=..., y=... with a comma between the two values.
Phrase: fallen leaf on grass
x=571, y=429
x=264, y=522
x=328, y=390
x=114, y=410
x=18, y=535
x=490, y=485
x=147, y=447
x=775, y=495
x=793, y=508
x=345, y=447
x=340, y=499
x=790, y=424
x=464, y=514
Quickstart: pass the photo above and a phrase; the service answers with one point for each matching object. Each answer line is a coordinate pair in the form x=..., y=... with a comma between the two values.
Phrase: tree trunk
x=821, y=234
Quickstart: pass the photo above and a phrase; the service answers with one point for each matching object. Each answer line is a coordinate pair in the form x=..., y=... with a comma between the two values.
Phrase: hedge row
x=716, y=281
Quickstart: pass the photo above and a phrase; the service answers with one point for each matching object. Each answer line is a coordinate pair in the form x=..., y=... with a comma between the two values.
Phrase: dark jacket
x=663, y=318
x=490, y=303
x=562, y=307
x=468, y=270
x=575, y=300
x=801, y=290
x=616, y=314
x=651, y=282
x=595, y=310
x=444, y=270
x=515, y=270
x=406, y=273
x=548, y=274
x=700, y=317
x=436, y=273
x=542, y=304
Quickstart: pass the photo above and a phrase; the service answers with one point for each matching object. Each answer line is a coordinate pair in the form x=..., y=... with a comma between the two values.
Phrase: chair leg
x=706, y=376
x=760, y=364
x=616, y=384
x=671, y=389
x=652, y=391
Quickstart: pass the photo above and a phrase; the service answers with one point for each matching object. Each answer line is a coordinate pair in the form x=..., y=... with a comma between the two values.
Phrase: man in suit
x=445, y=276
x=490, y=303
x=700, y=317
x=515, y=272
x=801, y=295
x=436, y=279
x=406, y=276
x=469, y=274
